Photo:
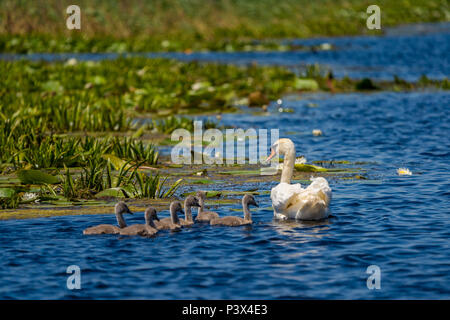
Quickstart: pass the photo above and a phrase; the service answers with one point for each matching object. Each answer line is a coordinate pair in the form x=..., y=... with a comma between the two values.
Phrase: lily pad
x=306, y=84
x=241, y=172
x=36, y=177
x=309, y=168
x=202, y=181
x=7, y=192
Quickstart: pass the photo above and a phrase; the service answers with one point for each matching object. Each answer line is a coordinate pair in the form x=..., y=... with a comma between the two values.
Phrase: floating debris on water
x=404, y=172
x=317, y=132
x=286, y=110
x=71, y=62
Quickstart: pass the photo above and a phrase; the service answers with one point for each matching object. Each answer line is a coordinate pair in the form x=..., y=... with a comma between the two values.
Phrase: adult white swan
x=291, y=201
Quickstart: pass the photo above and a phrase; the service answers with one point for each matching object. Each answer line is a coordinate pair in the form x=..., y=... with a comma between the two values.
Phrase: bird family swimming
x=153, y=224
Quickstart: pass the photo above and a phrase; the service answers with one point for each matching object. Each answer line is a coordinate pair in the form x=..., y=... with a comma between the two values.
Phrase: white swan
x=291, y=201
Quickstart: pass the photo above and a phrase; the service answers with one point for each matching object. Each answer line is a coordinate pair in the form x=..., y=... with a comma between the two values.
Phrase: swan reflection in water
x=301, y=231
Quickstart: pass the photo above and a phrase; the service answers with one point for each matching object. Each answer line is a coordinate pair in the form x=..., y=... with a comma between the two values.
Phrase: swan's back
x=311, y=203
x=102, y=229
x=206, y=216
x=229, y=221
x=166, y=224
x=138, y=229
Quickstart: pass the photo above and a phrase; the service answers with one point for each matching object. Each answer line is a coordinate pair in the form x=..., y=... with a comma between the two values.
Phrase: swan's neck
x=120, y=220
x=247, y=214
x=174, y=217
x=188, y=213
x=202, y=206
x=150, y=222
x=288, y=165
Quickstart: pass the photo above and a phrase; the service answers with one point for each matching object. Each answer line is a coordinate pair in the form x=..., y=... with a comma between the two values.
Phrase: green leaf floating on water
x=240, y=172
x=36, y=177
x=306, y=84
x=202, y=181
x=7, y=192
x=309, y=168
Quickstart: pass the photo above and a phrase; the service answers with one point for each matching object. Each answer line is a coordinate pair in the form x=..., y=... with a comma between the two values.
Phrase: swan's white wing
x=282, y=196
x=320, y=184
x=313, y=203
x=292, y=201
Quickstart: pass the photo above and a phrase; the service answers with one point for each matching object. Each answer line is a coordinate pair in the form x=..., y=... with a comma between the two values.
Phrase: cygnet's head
x=150, y=213
x=248, y=199
x=191, y=201
x=121, y=208
x=176, y=207
x=201, y=194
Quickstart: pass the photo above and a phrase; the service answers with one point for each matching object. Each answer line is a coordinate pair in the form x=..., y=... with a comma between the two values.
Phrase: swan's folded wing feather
x=283, y=194
x=321, y=188
x=313, y=202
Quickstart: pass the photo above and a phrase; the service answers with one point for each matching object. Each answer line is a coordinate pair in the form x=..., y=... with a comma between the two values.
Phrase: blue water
x=407, y=52
x=399, y=223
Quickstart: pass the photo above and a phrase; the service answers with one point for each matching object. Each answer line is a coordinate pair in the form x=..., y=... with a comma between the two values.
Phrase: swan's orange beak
x=272, y=154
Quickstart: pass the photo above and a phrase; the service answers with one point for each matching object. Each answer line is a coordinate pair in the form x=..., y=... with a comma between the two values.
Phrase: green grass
x=175, y=25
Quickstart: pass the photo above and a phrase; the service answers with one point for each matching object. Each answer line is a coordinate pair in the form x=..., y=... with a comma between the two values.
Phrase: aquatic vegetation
x=129, y=148
x=36, y=177
x=87, y=122
x=153, y=186
x=9, y=202
x=365, y=84
x=101, y=181
x=306, y=84
x=184, y=25
x=302, y=167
